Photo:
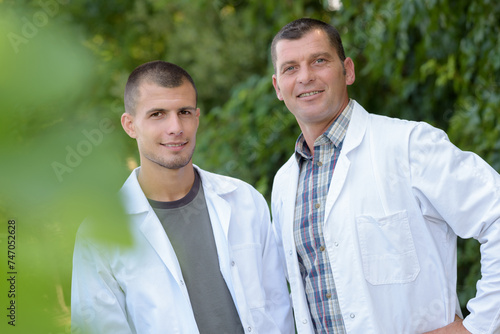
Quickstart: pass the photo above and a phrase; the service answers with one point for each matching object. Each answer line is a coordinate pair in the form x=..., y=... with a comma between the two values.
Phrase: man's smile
x=314, y=92
x=176, y=145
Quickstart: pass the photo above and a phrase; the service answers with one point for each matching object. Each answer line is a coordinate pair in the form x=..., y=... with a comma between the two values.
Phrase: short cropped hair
x=298, y=28
x=159, y=72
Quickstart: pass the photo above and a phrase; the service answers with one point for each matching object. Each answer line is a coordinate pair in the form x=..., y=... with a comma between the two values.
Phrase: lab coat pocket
x=248, y=259
x=387, y=249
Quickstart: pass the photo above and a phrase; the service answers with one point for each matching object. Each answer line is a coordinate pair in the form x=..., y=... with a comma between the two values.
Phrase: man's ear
x=350, y=75
x=277, y=88
x=197, y=114
x=128, y=125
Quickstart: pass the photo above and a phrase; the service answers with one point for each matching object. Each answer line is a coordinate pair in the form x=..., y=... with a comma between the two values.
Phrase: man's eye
x=156, y=114
x=185, y=112
x=321, y=60
x=288, y=69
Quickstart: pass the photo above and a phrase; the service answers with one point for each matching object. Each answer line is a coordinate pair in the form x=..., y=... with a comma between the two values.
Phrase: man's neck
x=165, y=185
x=313, y=131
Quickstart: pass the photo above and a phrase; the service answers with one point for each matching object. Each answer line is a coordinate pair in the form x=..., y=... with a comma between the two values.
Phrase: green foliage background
x=64, y=65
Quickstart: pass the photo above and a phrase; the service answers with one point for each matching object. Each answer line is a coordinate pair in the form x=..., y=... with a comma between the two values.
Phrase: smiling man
x=203, y=257
x=312, y=80
x=368, y=208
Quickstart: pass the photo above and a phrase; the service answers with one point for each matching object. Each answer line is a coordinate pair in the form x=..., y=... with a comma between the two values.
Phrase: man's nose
x=305, y=75
x=174, y=125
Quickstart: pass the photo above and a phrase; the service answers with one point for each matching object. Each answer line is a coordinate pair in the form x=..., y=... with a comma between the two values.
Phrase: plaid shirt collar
x=334, y=134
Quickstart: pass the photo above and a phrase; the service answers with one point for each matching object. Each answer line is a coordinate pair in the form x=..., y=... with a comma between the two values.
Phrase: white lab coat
x=400, y=194
x=140, y=289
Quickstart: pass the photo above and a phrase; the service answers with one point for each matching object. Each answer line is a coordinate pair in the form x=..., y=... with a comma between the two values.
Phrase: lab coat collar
x=215, y=187
x=133, y=197
x=355, y=134
x=144, y=217
x=135, y=201
x=356, y=129
x=214, y=182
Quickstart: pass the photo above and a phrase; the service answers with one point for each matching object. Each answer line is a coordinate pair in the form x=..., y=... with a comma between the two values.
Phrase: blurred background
x=64, y=64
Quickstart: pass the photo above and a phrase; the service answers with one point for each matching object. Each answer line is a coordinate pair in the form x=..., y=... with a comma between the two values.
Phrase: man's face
x=164, y=124
x=310, y=78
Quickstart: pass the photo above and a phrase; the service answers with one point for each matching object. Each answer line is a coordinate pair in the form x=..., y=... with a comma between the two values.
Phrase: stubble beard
x=176, y=162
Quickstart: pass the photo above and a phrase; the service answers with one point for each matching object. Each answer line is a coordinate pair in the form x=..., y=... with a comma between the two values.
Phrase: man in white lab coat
x=368, y=208
x=202, y=256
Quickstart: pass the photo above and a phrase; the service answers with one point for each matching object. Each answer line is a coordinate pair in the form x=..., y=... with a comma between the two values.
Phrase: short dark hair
x=298, y=28
x=159, y=72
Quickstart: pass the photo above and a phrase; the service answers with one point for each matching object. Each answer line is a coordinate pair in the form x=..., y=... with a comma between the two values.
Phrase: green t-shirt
x=188, y=227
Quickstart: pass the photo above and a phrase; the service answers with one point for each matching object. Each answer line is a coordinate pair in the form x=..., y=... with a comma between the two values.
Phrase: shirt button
x=352, y=315
x=317, y=205
x=322, y=248
x=319, y=163
x=328, y=295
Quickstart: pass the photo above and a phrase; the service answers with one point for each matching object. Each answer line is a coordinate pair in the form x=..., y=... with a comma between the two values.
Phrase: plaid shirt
x=314, y=181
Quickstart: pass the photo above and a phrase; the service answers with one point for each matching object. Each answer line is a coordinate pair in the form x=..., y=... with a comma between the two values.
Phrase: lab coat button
x=182, y=282
x=304, y=321
x=291, y=253
x=249, y=329
x=232, y=263
x=336, y=244
x=353, y=315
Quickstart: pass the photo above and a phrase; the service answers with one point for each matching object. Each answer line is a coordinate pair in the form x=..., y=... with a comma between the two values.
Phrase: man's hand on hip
x=456, y=327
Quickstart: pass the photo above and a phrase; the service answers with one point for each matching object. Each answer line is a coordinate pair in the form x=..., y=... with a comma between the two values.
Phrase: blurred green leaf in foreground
x=59, y=164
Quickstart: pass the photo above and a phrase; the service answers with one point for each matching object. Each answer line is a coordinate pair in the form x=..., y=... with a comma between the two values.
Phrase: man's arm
x=274, y=281
x=461, y=189
x=97, y=301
